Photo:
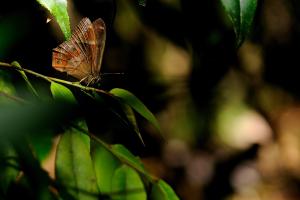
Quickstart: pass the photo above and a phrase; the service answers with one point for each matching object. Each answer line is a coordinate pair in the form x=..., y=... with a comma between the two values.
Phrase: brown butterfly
x=81, y=55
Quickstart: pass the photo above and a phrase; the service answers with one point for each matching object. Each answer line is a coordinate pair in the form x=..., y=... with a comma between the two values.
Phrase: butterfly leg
x=89, y=82
x=92, y=80
x=83, y=79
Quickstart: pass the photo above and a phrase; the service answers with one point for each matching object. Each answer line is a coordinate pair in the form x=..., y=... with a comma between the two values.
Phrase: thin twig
x=15, y=98
x=52, y=79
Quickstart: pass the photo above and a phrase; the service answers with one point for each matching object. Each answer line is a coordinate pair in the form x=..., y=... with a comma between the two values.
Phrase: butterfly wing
x=75, y=56
x=100, y=33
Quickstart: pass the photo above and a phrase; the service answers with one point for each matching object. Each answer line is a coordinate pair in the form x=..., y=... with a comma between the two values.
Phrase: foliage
x=58, y=8
x=241, y=14
x=86, y=165
x=79, y=165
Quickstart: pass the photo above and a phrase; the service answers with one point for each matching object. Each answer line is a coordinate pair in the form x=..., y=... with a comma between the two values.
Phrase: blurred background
x=230, y=116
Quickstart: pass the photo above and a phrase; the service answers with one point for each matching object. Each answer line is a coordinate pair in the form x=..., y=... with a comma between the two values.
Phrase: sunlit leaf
x=126, y=157
x=130, y=99
x=123, y=153
x=105, y=165
x=74, y=168
x=61, y=92
x=24, y=76
x=162, y=191
x=127, y=185
x=241, y=13
x=58, y=8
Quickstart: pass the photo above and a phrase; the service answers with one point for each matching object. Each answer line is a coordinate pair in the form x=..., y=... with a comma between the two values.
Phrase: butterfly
x=81, y=55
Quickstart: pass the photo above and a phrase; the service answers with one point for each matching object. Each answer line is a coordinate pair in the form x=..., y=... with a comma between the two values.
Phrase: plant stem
x=15, y=98
x=52, y=79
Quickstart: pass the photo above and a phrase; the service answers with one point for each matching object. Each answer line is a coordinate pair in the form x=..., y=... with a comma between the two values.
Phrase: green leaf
x=29, y=85
x=127, y=185
x=74, y=167
x=162, y=191
x=241, y=13
x=142, y=2
x=61, y=92
x=105, y=165
x=41, y=143
x=128, y=98
x=131, y=119
x=126, y=156
x=58, y=8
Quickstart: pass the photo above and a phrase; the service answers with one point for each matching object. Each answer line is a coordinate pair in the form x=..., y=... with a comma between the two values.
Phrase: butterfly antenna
x=120, y=73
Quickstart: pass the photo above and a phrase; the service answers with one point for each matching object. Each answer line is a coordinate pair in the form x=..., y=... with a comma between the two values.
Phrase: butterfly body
x=81, y=56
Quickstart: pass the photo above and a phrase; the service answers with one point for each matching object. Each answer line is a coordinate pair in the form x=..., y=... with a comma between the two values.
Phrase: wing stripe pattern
x=81, y=55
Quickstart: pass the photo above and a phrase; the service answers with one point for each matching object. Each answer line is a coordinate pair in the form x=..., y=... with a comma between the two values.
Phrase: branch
x=52, y=79
x=15, y=98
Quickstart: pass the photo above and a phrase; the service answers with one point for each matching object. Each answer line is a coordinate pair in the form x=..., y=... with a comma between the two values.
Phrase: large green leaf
x=62, y=93
x=127, y=157
x=105, y=164
x=58, y=8
x=130, y=99
x=162, y=191
x=127, y=185
x=74, y=168
x=241, y=13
